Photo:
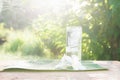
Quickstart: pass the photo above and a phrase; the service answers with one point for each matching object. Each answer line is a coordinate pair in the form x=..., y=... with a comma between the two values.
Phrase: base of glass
x=67, y=61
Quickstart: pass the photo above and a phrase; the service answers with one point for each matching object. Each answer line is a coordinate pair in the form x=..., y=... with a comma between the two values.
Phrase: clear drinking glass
x=72, y=57
x=73, y=47
x=73, y=41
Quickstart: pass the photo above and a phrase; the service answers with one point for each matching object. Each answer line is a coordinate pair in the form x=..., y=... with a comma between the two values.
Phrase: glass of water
x=72, y=57
x=73, y=41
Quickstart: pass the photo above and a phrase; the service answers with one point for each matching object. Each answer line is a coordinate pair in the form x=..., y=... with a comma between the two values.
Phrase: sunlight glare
x=58, y=7
x=1, y=5
x=84, y=3
x=55, y=5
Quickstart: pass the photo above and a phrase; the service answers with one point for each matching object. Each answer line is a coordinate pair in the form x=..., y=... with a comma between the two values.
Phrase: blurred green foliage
x=3, y=31
x=102, y=26
x=52, y=35
x=45, y=36
x=43, y=42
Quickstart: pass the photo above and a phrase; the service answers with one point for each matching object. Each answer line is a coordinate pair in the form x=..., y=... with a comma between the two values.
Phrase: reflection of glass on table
x=72, y=57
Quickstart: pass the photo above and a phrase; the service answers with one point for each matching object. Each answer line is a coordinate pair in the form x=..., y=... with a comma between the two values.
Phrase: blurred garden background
x=37, y=28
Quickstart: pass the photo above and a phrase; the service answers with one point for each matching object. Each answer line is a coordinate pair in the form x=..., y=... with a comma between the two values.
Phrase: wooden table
x=113, y=73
